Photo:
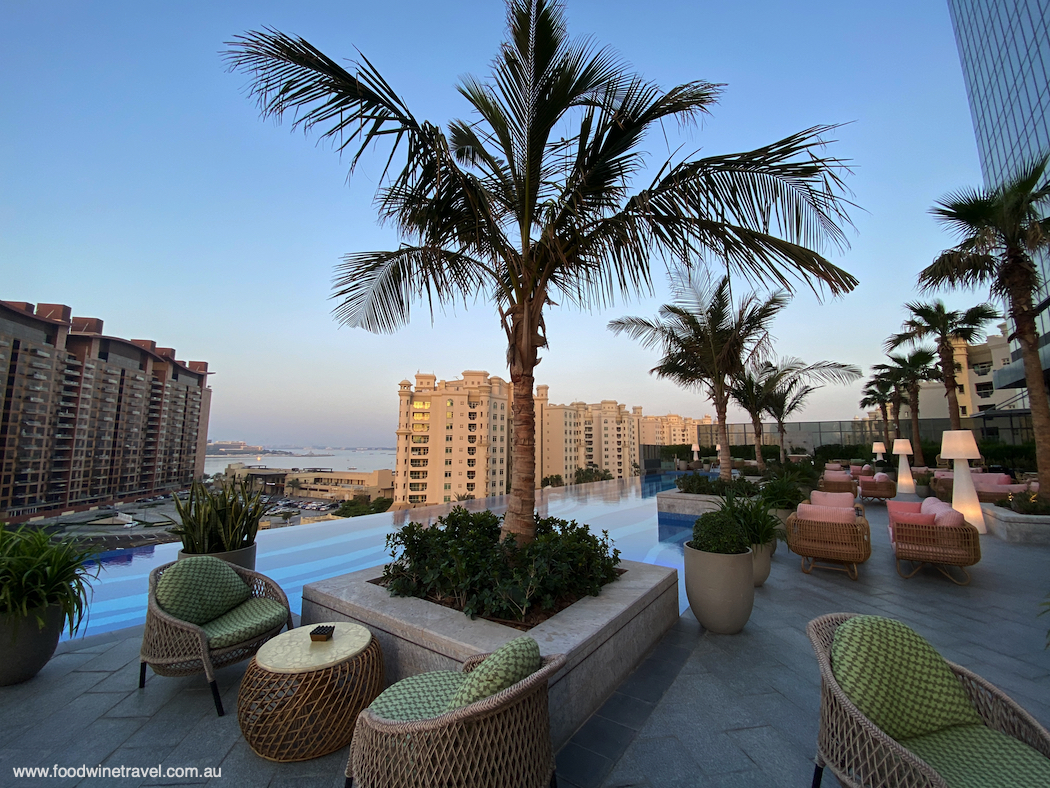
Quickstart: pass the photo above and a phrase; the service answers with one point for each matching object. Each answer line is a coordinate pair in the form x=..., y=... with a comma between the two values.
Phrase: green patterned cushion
x=976, y=756
x=418, y=697
x=897, y=679
x=510, y=663
x=200, y=588
x=244, y=622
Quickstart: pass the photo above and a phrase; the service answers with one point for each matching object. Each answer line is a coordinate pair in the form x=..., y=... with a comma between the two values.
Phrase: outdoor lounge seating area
x=700, y=709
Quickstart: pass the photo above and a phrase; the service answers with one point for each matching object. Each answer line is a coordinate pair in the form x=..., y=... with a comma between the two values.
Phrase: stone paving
x=703, y=709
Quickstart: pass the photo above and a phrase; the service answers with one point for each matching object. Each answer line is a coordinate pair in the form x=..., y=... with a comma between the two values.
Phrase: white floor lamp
x=959, y=445
x=878, y=448
x=902, y=447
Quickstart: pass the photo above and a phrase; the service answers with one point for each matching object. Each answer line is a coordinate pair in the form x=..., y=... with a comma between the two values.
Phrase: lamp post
x=959, y=445
x=696, y=452
x=878, y=448
x=902, y=447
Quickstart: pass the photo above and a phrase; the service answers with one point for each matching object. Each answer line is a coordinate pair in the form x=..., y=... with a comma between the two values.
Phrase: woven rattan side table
x=299, y=699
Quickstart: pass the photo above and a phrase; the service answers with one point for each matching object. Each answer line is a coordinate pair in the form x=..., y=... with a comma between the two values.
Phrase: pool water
x=303, y=554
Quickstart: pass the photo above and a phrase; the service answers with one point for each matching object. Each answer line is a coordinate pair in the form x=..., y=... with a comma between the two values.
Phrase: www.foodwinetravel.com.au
x=116, y=772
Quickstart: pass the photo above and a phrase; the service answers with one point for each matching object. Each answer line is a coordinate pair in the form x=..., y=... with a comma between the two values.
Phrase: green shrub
x=781, y=492
x=36, y=572
x=360, y=505
x=754, y=517
x=216, y=521
x=1020, y=457
x=1025, y=503
x=923, y=477
x=700, y=484
x=461, y=561
x=719, y=532
x=587, y=475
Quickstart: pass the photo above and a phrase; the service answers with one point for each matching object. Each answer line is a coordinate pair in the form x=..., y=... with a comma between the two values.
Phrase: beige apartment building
x=671, y=430
x=87, y=418
x=453, y=439
x=314, y=482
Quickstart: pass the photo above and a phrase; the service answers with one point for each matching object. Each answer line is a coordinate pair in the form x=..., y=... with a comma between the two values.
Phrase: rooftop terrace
x=720, y=711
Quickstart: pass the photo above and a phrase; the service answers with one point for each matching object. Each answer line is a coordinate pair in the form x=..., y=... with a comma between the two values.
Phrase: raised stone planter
x=677, y=502
x=1012, y=527
x=604, y=637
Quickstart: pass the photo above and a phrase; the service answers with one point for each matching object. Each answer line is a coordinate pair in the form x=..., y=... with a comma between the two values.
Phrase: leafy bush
x=753, y=515
x=923, y=477
x=839, y=451
x=719, y=532
x=554, y=480
x=1025, y=503
x=360, y=505
x=460, y=561
x=1020, y=457
x=220, y=520
x=36, y=572
x=700, y=484
x=586, y=475
x=781, y=493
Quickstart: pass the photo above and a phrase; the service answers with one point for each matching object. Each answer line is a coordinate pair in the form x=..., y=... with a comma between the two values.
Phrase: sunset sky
x=138, y=185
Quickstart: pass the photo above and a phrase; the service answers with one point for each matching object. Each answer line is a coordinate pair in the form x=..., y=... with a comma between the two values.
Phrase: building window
x=448, y=403
x=420, y=417
x=448, y=474
x=448, y=462
x=962, y=389
x=447, y=498
x=421, y=405
x=962, y=410
x=448, y=450
x=448, y=485
x=448, y=439
x=421, y=439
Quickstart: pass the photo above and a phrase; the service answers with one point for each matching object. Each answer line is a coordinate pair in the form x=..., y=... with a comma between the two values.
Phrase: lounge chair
x=829, y=535
x=878, y=487
x=894, y=712
x=838, y=481
x=932, y=532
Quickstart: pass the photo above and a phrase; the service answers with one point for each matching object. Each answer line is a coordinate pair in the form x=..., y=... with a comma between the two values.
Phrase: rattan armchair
x=877, y=491
x=861, y=755
x=941, y=545
x=838, y=485
x=173, y=647
x=502, y=741
x=839, y=546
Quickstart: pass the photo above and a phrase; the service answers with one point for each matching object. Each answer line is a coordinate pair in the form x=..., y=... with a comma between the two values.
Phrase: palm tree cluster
x=533, y=200
x=723, y=349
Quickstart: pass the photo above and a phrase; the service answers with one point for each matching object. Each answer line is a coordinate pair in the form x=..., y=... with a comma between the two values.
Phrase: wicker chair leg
x=349, y=783
x=807, y=568
x=944, y=571
x=215, y=694
x=818, y=775
x=851, y=571
x=554, y=780
x=142, y=675
x=913, y=572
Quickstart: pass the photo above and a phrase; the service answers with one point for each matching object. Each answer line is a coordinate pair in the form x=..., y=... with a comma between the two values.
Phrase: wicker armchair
x=175, y=647
x=836, y=543
x=501, y=741
x=838, y=485
x=873, y=490
x=860, y=754
x=940, y=545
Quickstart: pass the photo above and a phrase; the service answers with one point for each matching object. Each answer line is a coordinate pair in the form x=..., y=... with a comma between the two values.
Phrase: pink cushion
x=991, y=481
x=842, y=500
x=948, y=517
x=866, y=470
x=855, y=470
x=826, y=514
x=836, y=476
x=882, y=477
x=893, y=507
x=914, y=518
x=933, y=505
x=942, y=474
x=832, y=466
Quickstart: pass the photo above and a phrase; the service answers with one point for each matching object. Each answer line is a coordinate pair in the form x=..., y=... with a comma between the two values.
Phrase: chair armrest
x=1001, y=712
x=263, y=587
x=165, y=635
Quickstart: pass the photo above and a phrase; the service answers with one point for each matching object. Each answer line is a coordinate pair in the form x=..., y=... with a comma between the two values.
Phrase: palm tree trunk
x=896, y=410
x=782, y=430
x=913, y=406
x=1022, y=312
x=725, y=461
x=756, y=426
x=524, y=340
x=951, y=390
x=886, y=428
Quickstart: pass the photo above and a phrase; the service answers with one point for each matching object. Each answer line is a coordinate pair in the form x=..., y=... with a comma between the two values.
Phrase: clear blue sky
x=138, y=185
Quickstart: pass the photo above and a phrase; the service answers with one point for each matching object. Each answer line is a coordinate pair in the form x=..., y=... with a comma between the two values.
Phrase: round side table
x=299, y=699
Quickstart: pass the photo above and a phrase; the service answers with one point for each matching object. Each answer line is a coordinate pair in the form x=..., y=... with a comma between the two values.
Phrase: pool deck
x=703, y=709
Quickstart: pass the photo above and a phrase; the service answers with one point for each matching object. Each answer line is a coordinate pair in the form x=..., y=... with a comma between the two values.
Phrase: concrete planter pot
x=720, y=589
x=25, y=646
x=1010, y=526
x=922, y=490
x=762, y=559
x=604, y=637
x=244, y=557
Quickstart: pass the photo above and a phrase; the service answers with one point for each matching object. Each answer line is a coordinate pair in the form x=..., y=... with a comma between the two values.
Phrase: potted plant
x=222, y=523
x=922, y=483
x=719, y=573
x=43, y=586
x=763, y=529
x=782, y=494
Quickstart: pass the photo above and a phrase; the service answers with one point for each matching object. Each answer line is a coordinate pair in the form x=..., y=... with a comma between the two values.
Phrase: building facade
x=320, y=483
x=1004, y=47
x=671, y=430
x=86, y=418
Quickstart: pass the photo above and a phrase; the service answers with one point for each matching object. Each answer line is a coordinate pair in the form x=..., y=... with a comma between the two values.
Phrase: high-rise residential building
x=87, y=418
x=580, y=435
x=1004, y=46
x=671, y=430
x=453, y=439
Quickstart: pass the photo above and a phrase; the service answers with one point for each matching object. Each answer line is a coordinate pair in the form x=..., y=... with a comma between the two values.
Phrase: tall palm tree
x=790, y=381
x=533, y=200
x=945, y=327
x=750, y=389
x=909, y=372
x=707, y=341
x=878, y=393
x=1001, y=228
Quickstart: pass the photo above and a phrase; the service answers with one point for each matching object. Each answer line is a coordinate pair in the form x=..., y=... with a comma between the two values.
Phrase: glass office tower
x=1004, y=46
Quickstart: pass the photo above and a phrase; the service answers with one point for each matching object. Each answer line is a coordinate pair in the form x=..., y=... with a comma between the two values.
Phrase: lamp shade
x=959, y=445
x=695, y=447
x=878, y=447
x=901, y=446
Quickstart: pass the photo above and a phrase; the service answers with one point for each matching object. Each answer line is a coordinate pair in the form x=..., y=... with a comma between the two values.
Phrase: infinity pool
x=305, y=553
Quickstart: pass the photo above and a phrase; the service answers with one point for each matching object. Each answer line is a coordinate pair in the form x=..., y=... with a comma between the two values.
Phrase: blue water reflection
x=303, y=554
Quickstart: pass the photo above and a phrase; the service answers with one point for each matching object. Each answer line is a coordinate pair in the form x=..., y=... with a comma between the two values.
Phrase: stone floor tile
x=582, y=767
x=626, y=710
x=604, y=736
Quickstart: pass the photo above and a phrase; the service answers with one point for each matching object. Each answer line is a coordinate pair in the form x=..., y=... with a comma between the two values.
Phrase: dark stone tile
x=626, y=710
x=582, y=767
x=650, y=680
x=603, y=736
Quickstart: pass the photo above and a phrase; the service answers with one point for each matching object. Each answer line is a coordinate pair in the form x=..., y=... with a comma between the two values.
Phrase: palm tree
x=750, y=389
x=878, y=393
x=1001, y=228
x=533, y=200
x=707, y=341
x=908, y=372
x=945, y=328
x=790, y=381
